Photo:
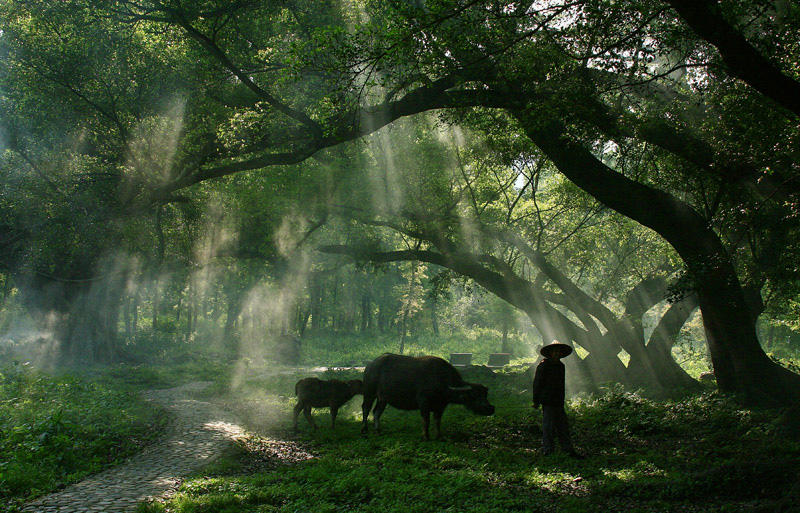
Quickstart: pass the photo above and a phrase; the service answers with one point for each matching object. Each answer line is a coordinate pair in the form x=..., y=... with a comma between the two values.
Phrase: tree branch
x=370, y=119
x=220, y=55
x=742, y=58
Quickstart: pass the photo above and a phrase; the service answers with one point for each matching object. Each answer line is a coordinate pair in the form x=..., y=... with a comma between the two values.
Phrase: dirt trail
x=200, y=432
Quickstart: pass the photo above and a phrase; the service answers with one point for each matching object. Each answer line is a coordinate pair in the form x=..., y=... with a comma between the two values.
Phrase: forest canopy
x=592, y=172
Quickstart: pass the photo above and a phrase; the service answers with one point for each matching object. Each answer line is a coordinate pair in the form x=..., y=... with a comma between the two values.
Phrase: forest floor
x=701, y=453
x=199, y=432
x=230, y=448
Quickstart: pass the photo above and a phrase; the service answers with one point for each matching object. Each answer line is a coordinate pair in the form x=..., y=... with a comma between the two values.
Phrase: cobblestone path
x=200, y=433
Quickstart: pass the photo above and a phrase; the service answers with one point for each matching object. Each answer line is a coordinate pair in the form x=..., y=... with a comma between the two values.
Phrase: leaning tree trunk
x=600, y=366
x=740, y=364
x=659, y=347
x=603, y=362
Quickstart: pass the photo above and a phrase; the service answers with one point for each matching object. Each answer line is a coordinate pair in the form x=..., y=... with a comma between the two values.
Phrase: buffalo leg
x=377, y=412
x=437, y=418
x=426, y=422
x=334, y=411
x=309, y=418
x=297, y=409
x=366, y=406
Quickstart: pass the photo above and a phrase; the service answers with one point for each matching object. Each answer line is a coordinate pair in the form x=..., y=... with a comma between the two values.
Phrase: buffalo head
x=473, y=396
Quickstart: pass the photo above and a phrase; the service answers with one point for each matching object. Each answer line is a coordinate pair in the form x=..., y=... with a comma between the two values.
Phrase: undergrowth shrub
x=56, y=429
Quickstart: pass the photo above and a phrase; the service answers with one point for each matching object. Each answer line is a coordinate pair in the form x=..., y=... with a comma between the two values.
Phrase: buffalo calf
x=318, y=393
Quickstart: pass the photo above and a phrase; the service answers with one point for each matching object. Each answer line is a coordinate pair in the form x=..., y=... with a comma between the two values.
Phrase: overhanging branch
x=743, y=59
x=367, y=120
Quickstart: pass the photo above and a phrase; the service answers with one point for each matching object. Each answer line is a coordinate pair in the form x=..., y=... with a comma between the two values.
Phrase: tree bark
x=303, y=321
x=233, y=310
x=316, y=306
x=155, y=305
x=403, y=332
x=88, y=331
x=435, y=317
x=160, y=251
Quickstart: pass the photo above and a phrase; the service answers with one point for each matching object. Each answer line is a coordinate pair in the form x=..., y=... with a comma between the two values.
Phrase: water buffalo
x=317, y=393
x=424, y=383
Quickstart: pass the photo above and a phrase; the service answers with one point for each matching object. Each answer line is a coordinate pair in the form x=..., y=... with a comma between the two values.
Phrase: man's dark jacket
x=548, y=383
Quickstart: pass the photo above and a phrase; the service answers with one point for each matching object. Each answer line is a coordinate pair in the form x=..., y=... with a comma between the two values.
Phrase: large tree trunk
x=740, y=364
x=600, y=366
x=661, y=341
x=88, y=331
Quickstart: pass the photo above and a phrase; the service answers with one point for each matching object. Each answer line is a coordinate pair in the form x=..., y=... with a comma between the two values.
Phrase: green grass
x=700, y=453
x=163, y=374
x=55, y=430
x=703, y=453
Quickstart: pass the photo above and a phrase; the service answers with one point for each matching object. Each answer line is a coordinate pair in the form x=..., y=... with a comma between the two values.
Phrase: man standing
x=548, y=390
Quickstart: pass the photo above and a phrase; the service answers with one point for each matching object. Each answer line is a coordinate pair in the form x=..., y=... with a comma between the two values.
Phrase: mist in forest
x=207, y=283
x=170, y=214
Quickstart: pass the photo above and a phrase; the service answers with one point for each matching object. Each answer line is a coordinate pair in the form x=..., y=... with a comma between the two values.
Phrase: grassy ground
x=55, y=430
x=703, y=453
